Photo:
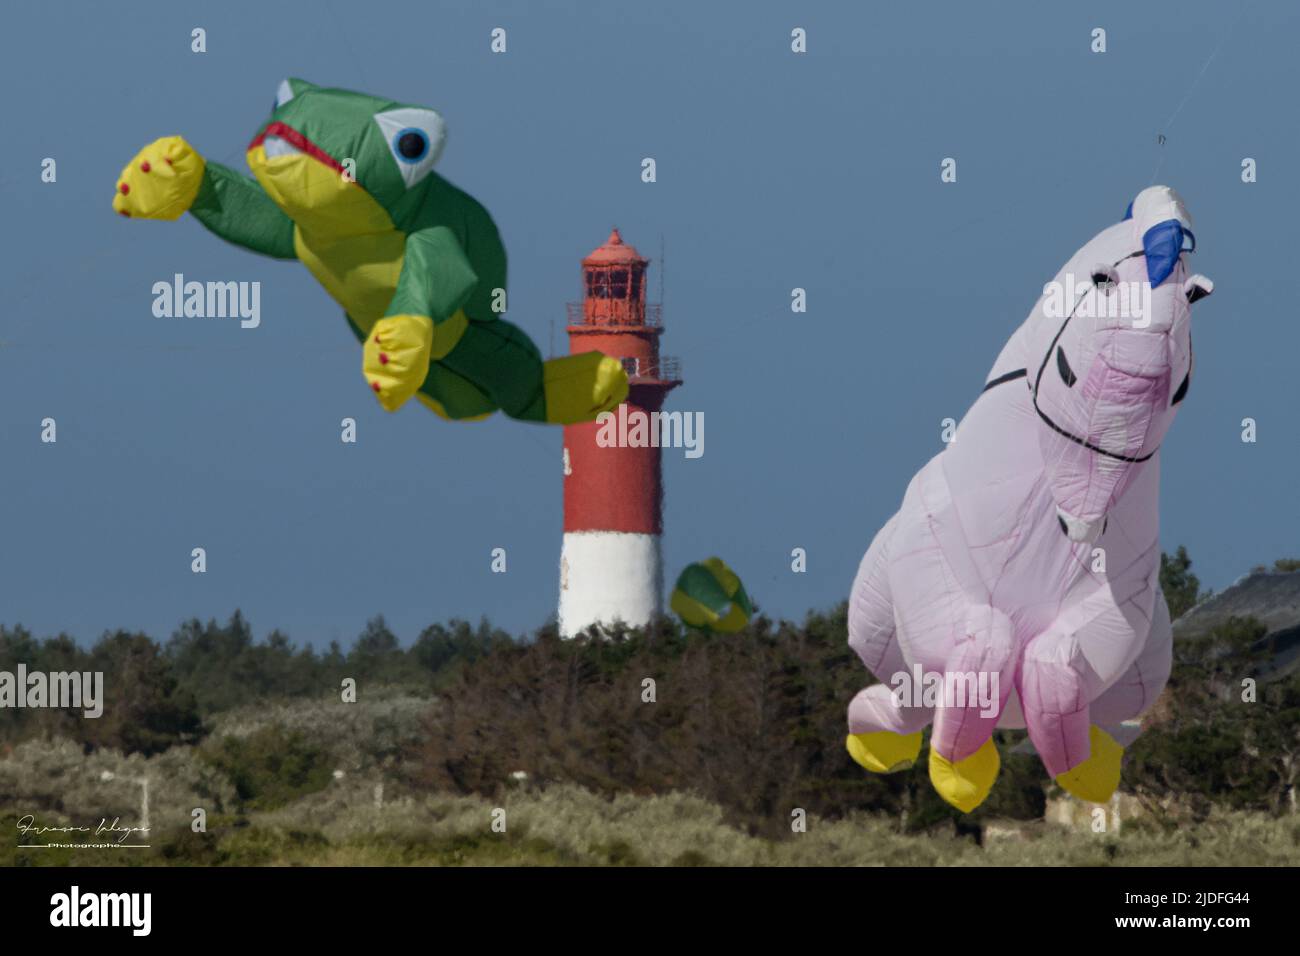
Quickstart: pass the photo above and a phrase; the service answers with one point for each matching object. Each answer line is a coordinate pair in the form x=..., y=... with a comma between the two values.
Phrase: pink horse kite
x=1017, y=586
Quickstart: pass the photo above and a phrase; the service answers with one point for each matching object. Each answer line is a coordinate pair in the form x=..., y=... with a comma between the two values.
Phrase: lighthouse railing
x=576, y=313
x=664, y=369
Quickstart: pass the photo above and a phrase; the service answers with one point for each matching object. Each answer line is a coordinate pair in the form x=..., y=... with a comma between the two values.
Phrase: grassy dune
x=568, y=826
x=316, y=783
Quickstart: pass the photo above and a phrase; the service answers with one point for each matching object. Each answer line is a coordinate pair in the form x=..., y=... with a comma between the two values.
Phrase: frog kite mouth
x=316, y=189
x=280, y=139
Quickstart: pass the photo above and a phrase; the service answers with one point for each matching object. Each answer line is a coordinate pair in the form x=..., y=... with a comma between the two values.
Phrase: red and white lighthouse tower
x=610, y=566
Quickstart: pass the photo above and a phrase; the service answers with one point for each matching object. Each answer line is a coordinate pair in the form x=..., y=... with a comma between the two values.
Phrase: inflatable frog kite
x=345, y=183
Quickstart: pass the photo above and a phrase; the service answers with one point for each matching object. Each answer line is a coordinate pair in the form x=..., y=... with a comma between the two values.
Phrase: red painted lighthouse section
x=617, y=488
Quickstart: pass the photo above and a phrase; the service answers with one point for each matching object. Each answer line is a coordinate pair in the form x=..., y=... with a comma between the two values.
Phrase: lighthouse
x=611, y=568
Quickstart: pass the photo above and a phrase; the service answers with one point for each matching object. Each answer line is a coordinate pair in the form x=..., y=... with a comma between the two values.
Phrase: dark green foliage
x=1280, y=566
x=154, y=695
x=270, y=768
x=754, y=721
x=144, y=708
x=223, y=667
x=440, y=650
x=1223, y=736
x=57, y=654
x=1181, y=587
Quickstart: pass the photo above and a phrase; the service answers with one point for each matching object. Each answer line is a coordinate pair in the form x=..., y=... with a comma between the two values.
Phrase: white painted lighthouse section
x=608, y=576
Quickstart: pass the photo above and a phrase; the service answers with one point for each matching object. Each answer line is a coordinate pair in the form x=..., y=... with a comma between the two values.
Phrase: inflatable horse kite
x=1017, y=586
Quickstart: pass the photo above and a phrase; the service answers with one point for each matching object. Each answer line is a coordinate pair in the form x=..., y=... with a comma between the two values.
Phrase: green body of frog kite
x=345, y=183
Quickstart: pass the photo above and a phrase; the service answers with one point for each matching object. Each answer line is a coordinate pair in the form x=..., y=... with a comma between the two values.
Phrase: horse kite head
x=1111, y=357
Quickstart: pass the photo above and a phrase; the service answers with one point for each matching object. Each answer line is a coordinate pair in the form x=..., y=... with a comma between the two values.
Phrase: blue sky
x=774, y=171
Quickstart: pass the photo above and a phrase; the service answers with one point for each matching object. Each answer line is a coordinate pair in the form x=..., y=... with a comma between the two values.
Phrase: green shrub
x=270, y=767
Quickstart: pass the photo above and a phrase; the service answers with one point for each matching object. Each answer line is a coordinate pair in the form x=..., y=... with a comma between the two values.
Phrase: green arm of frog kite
x=235, y=208
x=437, y=279
x=168, y=177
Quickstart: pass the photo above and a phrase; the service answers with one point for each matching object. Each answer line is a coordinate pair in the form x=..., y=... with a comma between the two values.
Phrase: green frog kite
x=345, y=183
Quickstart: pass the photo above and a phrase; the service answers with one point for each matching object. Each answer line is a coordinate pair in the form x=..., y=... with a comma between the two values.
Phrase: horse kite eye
x=1062, y=366
x=1104, y=277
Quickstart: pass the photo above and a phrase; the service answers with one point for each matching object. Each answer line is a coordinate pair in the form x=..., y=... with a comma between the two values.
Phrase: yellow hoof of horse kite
x=966, y=783
x=1096, y=779
x=884, y=752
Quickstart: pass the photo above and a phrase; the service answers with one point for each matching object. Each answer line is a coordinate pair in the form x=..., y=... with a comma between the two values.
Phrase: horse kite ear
x=1197, y=288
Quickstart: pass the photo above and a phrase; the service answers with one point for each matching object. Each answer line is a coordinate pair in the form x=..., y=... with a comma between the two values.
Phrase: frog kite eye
x=709, y=595
x=412, y=144
x=415, y=138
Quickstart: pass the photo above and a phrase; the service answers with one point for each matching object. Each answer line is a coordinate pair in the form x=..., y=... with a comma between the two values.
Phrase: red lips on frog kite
x=1017, y=586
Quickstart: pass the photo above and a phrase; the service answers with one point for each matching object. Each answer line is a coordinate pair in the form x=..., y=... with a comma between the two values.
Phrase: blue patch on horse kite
x=1162, y=244
x=1128, y=213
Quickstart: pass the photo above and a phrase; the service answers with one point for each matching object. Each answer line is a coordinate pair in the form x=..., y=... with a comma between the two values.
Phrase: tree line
x=754, y=721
